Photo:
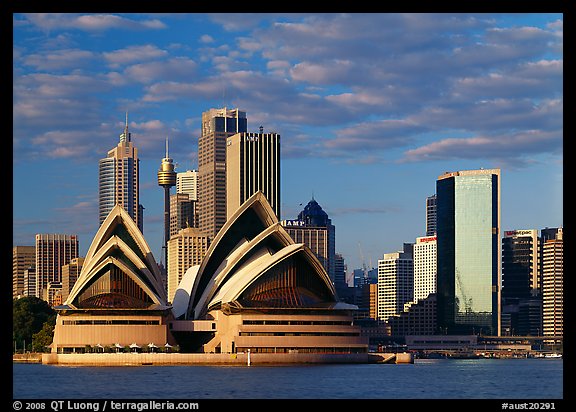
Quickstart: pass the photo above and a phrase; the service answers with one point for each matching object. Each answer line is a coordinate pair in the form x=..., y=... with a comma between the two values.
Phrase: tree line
x=33, y=321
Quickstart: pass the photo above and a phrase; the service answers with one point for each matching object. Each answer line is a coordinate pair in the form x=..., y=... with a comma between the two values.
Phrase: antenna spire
x=125, y=137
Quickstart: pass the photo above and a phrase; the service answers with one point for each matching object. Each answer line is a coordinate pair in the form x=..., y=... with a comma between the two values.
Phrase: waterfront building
x=185, y=249
x=118, y=298
x=469, y=251
x=118, y=180
x=52, y=252
x=553, y=285
x=417, y=318
x=257, y=290
x=431, y=215
x=521, y=288
x=520, y=275
x=217, y=126
x=424, y=267
x=70, y=273
x=23, y=257
x=314, y=228
x=252, y=164
x=395, y=282
x=187, y=182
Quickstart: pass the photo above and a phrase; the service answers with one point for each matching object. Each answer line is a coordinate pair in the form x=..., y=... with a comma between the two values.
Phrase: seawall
x=239, y=359
x=33, y=357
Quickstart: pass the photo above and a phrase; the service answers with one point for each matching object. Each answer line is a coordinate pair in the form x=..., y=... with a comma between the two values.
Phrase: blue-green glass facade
x=468, y=240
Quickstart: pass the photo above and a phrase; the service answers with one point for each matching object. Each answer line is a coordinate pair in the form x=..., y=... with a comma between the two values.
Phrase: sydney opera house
x=255, y=290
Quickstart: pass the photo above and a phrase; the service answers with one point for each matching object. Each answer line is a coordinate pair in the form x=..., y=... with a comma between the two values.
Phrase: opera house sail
x=256, y=289
x=118, y=299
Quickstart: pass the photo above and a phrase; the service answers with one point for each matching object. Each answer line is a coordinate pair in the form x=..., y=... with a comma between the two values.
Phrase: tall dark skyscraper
x=252, y=164
x=431, y=215
x=469, y=252
x=217, y=126
x=315, y=229
x=521, y=284
x=118, y=179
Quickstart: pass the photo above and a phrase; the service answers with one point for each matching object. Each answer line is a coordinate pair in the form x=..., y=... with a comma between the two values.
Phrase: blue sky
x=371, y=109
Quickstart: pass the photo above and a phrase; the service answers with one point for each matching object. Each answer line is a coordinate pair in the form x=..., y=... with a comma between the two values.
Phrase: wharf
x=239, y=359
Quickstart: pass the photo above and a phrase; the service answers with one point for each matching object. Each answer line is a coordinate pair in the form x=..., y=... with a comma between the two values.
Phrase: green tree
x=29, y=314
x=43, y=338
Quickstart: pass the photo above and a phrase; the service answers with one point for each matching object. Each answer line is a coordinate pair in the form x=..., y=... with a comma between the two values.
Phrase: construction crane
x=467, y=302
x=364, y=268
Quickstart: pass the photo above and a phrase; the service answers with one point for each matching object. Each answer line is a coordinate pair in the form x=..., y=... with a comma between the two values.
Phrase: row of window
x=111, y=322
x=299, y=334
x=295, y=322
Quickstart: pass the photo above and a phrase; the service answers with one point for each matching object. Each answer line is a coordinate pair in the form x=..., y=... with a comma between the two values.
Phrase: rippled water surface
x=425, y=379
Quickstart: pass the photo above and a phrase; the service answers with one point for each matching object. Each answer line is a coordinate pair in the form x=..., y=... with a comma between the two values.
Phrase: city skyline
x=372, y=108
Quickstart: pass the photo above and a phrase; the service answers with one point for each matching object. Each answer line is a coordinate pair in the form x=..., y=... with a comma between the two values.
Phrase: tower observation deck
x=166, y=179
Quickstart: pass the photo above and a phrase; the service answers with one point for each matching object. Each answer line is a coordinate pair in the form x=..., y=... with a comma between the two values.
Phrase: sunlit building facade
x=118, y=180
x=252, y=164
x=217, y=126
x=424, y=267
x=23, y=257
x=53, y=251
x=553, y=285
x=395, y=282
x=185, y=249
x=469, y=251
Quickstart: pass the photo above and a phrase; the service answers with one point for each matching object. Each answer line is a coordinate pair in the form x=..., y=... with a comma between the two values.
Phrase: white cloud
x=133, y=54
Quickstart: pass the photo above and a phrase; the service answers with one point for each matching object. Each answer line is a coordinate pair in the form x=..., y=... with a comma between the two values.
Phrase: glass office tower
x=469, y=252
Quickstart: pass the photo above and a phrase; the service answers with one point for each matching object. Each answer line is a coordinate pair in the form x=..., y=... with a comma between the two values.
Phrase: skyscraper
x=23, y=258
x=395, y=282
x=314, y=228
x=185, y=249
x=52, y=252
x=70, y=273
x=187, y=182
x=118, y=179
x=252, y=164
x=469, y=251
x=521, y=285
x=217, y=126
x=181, y=213
x=553, y=285
x=424, y=267
x=431, y=215
x=186, y=201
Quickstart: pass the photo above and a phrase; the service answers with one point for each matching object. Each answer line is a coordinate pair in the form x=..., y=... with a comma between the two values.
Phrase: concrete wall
x=141, y=359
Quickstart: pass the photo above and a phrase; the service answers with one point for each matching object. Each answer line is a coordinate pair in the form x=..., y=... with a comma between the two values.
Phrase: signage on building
x=252, y=138
x=292, y=223
x=425, y=239
x=518, y=232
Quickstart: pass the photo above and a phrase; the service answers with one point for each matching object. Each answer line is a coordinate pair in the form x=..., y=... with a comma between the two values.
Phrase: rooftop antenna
x=125, y=136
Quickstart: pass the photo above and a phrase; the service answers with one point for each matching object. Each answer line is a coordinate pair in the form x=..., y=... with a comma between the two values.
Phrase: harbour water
x=524, y=379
